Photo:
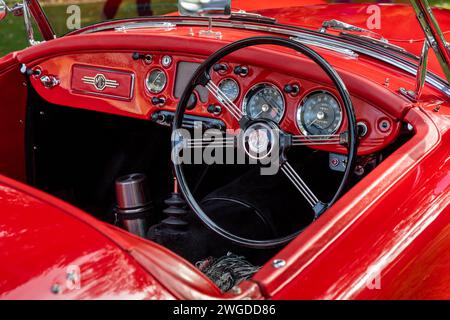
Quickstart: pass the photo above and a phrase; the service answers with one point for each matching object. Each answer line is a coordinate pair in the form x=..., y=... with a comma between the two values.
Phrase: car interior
x=93, y=148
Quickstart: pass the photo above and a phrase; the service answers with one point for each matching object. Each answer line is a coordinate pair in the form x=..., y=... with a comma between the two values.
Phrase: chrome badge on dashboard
x=110, y=83
x=100, y=82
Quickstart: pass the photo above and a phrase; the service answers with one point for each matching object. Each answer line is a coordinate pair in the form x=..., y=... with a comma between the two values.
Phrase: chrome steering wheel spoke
x=227, y=141
x=222, y=98
x=317, y=205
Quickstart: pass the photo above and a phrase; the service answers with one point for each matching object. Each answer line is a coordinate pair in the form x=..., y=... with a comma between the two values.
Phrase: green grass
x=12, y=30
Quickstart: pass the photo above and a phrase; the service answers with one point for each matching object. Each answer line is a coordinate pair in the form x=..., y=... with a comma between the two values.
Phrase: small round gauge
x=264, y=101
x=166, y=61
x=156, y=81
x=319, y=114
x=230, y=87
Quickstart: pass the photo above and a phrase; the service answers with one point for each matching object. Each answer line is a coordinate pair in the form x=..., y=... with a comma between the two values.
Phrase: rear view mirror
x=204, y=8
x=3, y=10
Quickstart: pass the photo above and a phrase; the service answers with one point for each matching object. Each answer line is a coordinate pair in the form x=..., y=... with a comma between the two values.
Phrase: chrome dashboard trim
x=319, y=44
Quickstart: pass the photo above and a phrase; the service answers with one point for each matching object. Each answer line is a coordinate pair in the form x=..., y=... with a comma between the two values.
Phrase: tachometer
x=319, y=114
x=156, y=81
x=264, y=101
x=230, y=87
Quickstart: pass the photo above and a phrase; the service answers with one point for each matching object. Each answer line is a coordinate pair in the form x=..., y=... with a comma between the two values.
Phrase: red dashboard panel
x=123, y=91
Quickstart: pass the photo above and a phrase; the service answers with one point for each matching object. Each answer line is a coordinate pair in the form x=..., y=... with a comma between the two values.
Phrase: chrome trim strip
x=167, y=26
x=319, y=44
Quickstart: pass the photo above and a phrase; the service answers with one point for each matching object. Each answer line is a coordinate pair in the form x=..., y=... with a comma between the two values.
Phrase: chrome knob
x=49, y=81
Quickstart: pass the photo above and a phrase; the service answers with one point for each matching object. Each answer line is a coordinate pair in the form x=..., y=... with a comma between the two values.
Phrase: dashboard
x=148, y=85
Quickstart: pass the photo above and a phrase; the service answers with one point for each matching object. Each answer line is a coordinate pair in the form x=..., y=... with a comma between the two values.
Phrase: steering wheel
x=273, y=137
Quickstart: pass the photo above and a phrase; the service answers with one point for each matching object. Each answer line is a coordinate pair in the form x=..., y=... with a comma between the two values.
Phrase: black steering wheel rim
x=199, y=78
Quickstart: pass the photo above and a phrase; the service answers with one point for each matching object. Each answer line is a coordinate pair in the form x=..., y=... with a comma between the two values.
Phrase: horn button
x=259, y=140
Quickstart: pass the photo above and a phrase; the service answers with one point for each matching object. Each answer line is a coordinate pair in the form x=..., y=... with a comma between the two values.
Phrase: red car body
x=396, y=221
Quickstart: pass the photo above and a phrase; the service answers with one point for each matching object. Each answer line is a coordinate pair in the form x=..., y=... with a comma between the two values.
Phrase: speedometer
x=264, y=101
x=319, y=114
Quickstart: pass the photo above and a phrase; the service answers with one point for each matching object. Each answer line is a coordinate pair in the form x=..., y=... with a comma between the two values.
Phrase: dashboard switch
x=241, y=71
x=337, y=162
x=157, y=117
x=220, y=67
x=292, y=89
x=384, y=125
x=136, y=56
x=216, y=110
x=148, y=58
x=158, y=101
x=362, y=129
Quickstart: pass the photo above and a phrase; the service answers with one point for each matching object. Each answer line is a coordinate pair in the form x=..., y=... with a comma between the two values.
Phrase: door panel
x=13, y=95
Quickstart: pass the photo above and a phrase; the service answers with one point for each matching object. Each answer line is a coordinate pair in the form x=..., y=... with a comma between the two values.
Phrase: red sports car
x=245, y=150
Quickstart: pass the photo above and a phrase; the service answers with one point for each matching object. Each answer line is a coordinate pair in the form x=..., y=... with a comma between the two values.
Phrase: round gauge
x=156, y=81
x=264, y=101
x=230, y=87
x=319, y=114
x=166, y=61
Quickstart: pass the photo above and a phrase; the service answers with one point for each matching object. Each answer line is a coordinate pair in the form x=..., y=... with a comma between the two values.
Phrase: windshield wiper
x=339, y=25
x=369, y=37
x=251, y=17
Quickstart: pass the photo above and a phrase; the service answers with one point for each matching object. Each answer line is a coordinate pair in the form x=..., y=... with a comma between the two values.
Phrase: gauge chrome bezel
x=298, y=118
x=147, y=77
x=166, y=61
x=257, y=87
x=237, y=86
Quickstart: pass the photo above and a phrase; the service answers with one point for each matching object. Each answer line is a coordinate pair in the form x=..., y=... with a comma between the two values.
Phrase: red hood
x=397, y=21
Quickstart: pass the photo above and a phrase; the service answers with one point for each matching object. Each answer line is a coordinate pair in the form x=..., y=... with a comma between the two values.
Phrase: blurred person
x=144, y=8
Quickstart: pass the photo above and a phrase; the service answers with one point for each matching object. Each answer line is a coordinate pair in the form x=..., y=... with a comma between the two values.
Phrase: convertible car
x=247, y=150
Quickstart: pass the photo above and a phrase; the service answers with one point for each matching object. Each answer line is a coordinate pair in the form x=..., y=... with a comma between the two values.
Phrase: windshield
x=69, y=15
x=94, y=11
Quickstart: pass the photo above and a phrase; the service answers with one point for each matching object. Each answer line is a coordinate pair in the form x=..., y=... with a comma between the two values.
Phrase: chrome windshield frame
x=434, y=39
